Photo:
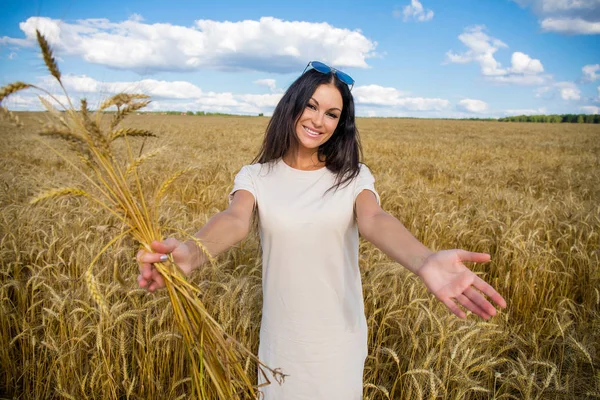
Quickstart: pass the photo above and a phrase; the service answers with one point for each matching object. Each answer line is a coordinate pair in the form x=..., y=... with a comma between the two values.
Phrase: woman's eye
x=332, y=115
x=311, y=106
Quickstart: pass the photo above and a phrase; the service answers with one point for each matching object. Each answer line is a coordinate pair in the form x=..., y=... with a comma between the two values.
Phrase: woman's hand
x=149, y=276
x=449, y=279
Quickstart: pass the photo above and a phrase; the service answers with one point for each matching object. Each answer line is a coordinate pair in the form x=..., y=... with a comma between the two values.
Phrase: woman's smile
x=311, y=132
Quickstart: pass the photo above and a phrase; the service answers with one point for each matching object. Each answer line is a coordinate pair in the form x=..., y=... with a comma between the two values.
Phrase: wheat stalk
x=130, y=132
x=168, y=182
x=211, y=351
x=95, y=292
x=48, y=56
x=136, y=162
x=53, y=193
x=12, y=88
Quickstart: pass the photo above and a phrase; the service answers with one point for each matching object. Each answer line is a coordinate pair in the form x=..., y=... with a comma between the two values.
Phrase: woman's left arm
x=443, y=272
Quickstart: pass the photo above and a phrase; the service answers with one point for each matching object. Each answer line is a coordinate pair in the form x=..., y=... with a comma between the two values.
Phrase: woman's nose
x=317, y=119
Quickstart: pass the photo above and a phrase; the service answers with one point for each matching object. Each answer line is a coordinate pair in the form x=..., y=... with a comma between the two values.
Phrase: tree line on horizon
x=555, y=118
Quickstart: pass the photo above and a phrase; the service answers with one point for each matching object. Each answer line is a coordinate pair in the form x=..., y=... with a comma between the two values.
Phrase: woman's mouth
x=310, y=132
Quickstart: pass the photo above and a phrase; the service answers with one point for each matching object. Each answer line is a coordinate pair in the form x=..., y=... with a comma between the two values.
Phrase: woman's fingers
x=469, y=305
x=477, y=305
x=480, y=301
x=145, y=257
x=165, y=247
x=474, y=257
x=489, y=291
x=453, y=307
x=157, y=278
x=481, y=285
x=149, y=277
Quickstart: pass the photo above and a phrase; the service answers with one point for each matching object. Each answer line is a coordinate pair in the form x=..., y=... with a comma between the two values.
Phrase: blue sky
x=418, y=58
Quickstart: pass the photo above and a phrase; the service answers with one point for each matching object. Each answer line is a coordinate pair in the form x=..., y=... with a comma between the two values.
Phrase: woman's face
x=320, y=117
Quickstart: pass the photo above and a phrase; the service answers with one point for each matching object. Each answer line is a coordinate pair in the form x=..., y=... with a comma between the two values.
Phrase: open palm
x=450, y=280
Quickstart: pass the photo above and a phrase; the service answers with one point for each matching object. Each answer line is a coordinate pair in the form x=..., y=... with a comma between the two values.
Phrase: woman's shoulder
x=363, y=168
x=364, y=173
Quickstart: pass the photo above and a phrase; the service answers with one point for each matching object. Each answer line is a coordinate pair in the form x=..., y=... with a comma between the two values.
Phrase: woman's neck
x=303, y=160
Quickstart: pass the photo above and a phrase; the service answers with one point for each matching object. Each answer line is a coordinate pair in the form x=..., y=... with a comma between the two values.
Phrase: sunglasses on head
x=325, y=69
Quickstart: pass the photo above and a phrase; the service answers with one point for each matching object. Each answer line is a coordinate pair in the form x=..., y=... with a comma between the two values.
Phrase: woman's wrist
x=420, y=261
x=196, y=255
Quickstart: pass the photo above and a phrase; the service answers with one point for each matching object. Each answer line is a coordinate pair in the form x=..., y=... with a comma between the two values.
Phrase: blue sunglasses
x=325, y=69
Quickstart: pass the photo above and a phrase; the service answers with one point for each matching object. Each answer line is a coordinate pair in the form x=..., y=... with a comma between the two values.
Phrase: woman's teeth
x=311, y=132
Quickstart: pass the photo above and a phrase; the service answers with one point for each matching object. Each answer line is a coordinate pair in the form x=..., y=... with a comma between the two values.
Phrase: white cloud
x=165, y=95
x=414, y=11
x=472, y=106
x=22, y=101
x=548, y=6
x=12, y=56
x=524, y=70
x=590, y=72
x=571, y=17
x=573, y=26
x=155, y=88
x=566, y=90
x=375, y=95
x=552, y=6
x=542, y=91
x=523, y=64
x=481, y=50
x=262, y=100
x=270, y=83
x=136, y=17
x=29, y=101
x=590, y=110
x=5, y=40
x=269, y=44
x=185, y=96
x=526, y=111
x=525, y=80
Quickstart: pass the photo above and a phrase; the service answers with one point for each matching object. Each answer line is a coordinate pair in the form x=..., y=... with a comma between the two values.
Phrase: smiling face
x=319, y=118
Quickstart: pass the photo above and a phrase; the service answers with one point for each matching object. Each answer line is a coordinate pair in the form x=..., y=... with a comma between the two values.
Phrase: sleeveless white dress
x=313, y=323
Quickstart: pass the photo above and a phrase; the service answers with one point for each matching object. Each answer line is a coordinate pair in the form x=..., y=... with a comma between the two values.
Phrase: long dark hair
x=342, y=152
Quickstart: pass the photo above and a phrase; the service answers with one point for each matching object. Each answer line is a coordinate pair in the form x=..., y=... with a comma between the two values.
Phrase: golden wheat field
x=528, y=194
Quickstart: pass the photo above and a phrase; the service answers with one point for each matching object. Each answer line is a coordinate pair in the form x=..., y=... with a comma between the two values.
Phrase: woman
x=313, y=197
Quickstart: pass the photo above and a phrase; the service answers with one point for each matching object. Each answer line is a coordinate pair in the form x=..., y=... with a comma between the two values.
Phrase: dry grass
x=526, y=193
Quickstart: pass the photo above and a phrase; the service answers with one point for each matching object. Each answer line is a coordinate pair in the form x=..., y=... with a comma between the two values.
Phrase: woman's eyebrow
x=333, y=108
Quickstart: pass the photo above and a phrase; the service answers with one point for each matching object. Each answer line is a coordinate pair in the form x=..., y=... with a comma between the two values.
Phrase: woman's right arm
x=220, y=233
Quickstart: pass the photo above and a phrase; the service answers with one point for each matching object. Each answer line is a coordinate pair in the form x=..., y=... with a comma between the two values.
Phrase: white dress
x=313, y=323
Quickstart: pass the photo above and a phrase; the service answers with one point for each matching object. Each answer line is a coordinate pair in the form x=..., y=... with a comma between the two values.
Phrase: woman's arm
x=386, y=233
x=442, y=272
x=224, y=229
x=220, y=233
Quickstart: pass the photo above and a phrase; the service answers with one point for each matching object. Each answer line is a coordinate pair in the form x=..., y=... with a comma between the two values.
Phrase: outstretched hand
x=449, y=279
x=149, y=277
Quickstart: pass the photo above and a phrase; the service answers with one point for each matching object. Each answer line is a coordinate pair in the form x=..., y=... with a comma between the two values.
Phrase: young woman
x=313, y=197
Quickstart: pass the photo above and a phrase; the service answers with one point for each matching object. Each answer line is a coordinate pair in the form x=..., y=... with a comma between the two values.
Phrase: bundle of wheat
x=112, y=182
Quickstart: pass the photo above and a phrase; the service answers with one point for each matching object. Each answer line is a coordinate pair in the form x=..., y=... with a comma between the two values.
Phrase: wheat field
x=528, y=194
